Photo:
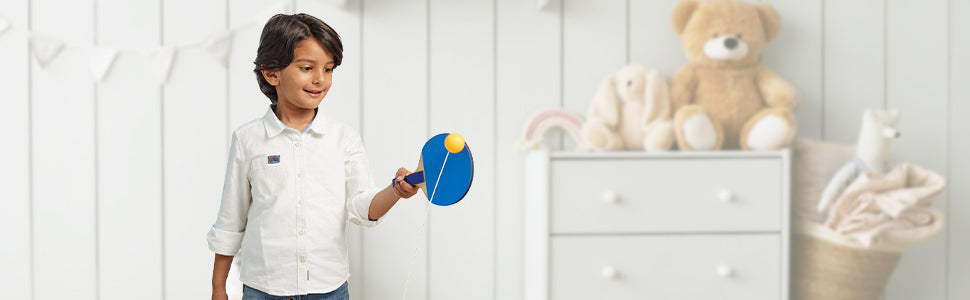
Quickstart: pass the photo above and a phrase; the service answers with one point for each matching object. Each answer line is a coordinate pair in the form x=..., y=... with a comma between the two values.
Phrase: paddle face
x=444, y=177
x=448, y=176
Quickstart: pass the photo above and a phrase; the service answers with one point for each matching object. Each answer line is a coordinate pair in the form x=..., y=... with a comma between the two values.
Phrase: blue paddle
x=445, y=169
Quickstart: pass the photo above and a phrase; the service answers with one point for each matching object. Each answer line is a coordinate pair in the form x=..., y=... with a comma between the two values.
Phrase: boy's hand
x=402, y=188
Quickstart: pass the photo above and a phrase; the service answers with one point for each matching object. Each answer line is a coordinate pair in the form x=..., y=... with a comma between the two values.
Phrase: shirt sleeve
x=359, y=186
x=225, y=236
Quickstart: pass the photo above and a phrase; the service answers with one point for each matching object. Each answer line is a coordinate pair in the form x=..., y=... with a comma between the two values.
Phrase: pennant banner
x=45, y=49
x=163, y=58
x=100, y=61
x=220, y=47
x=4, y=25
x=543, y=3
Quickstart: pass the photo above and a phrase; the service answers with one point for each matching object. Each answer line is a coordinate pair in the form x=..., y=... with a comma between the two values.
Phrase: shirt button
x=302, y=259
x=297, y=144
x=300, y=202
x=299, y=174
x=302, y=232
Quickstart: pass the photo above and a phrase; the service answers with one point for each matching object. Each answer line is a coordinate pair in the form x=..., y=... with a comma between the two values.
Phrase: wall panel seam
x=360, y=126
x=30, y=148
x=494, y=148
x=885, y=54
x=562, y=63
x=427, y=106
x=97, y=173
x=161, y=127
x=627, y=23
x=949, y=122
x=822, y=73
x=226, y=72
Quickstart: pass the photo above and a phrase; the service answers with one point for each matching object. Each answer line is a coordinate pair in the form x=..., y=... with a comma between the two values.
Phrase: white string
x=427, y=208
x=442, y=171
x=415, y=252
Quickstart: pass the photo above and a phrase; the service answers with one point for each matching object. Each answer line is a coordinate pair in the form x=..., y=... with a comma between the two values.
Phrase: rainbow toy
x=543, y=121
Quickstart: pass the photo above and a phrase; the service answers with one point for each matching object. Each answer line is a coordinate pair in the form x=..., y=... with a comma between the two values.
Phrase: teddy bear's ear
x=769, y=19
x=682, y=13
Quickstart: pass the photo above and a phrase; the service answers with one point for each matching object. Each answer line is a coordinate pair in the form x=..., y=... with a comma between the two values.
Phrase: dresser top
x=671, y=154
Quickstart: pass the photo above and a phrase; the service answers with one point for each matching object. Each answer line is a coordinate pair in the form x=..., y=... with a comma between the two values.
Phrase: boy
x=294, y=177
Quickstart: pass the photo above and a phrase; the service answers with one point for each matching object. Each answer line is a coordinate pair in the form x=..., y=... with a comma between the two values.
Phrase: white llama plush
x=872, y=152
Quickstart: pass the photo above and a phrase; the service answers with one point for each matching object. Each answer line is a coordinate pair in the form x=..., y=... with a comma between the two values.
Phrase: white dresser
x=677, y=225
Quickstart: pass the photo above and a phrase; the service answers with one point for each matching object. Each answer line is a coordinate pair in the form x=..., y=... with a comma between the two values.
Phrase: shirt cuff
x=224, y=242
x=362, y=206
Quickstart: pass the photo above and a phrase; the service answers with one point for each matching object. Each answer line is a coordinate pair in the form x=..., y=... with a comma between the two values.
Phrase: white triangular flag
x=45, y=49
x=220, y=47
x=543, y=4
x=100, y=61
x=162, y=59
x=4, y=25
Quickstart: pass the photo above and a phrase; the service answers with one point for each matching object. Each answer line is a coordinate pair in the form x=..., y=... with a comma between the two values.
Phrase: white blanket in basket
x=894, y=208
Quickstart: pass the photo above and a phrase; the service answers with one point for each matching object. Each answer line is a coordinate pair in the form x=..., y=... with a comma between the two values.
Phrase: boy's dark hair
x=279, y=39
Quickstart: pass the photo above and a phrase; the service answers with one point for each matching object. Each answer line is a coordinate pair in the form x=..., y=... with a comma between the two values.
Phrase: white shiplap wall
x=195, y=141
x=16, y=254
x=110, y=187
x=64, y=179
x=128, y=156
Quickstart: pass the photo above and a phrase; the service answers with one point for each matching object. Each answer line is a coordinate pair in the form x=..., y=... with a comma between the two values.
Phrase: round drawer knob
x=609, y=272
x=725, y=196
x=725, y=271
x=610, y=197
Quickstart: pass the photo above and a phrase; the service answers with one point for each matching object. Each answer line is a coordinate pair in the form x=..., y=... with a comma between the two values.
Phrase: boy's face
x=304, y=82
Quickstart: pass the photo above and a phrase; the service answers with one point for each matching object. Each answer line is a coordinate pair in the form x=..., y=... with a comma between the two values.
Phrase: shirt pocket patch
x=269, y=176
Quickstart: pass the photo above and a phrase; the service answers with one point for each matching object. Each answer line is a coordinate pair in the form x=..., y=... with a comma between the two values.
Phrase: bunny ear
x=657, y=100
x=604, y=105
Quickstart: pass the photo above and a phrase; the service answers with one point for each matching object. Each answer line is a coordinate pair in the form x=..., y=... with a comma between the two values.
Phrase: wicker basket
x=828, y=266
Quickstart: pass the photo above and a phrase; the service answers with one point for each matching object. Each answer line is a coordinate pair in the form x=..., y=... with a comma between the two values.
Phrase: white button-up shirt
x=285, y=203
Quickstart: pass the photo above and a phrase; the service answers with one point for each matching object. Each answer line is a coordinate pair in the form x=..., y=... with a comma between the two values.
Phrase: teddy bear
x=630, y=111
x=723, y=98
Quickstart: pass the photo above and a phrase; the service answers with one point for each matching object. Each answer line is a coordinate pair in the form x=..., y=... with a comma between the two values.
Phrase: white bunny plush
x=872, y=152
x=630, y=111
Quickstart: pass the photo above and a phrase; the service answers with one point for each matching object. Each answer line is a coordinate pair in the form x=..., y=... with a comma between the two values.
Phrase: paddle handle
x=412, y=179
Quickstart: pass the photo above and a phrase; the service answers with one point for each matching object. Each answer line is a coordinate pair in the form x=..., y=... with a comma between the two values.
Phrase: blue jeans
x=339, y=294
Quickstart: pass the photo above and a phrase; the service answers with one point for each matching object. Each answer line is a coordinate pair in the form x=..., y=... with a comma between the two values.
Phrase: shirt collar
x=274, y=126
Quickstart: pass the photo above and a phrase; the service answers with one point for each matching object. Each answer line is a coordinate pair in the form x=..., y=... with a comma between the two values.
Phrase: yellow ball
x=454, y=143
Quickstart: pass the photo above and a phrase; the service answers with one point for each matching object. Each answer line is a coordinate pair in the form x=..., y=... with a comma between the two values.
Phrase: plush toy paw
x=696, y=130
x=771, y=129
x=699, y=132
x=660, y=136
x=599, y=137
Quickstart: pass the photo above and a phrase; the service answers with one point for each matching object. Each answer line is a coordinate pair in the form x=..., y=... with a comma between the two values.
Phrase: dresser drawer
x=666, y=267
x=666, y=195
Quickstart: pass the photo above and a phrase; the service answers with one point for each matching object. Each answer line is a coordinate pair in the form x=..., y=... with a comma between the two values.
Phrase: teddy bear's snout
x=726, y=48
